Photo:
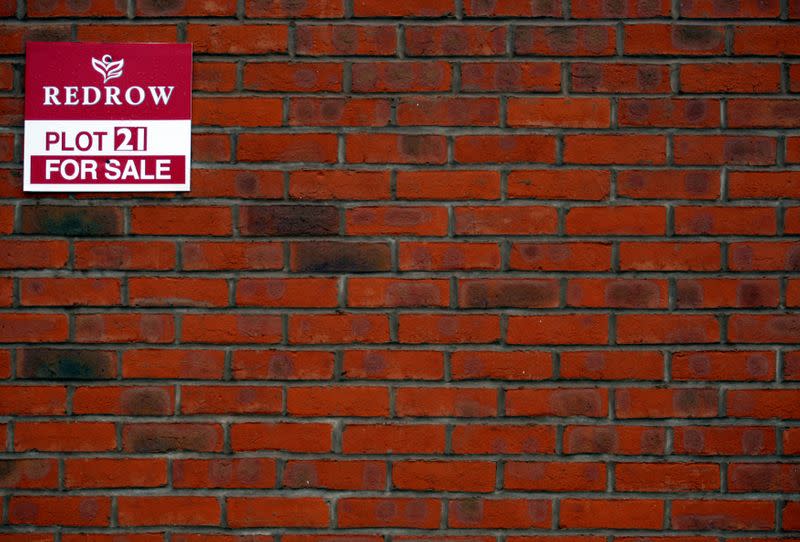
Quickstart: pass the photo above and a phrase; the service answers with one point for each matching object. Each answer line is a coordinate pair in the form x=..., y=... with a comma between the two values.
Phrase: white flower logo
x=107, y=68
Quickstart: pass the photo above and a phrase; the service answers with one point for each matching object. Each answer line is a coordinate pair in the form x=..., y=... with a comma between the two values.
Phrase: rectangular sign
x=107, y=117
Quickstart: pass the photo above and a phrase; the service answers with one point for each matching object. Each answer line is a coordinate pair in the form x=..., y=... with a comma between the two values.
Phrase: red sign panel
x=107, y=117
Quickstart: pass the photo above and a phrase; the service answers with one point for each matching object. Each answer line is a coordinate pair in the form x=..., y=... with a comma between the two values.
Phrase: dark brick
x=54, y=364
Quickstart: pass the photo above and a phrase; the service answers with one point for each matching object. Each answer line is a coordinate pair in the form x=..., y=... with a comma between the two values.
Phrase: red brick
x=424, y=111
x=168, y=510
x=588, y=402
x=667, y=328
x=287, y=436
x=153, y=8
x=447, y=185
x=238, y=111
x=437, y=256
x=661, y=256
x=614, y=439
x=632, y=9
x=335, y=474
x=763, y=184
x=282, y=365
x=711, y=9
x=503, y=439
x=477, y=149
x=617, y=293
x=511, y=8
x=69, y=291
x=290, y=292
x=722, y=515
x=668, y=184
x=720, y=150
x=745, y=77
x=124, y=400
x=64, y=510
x=450, y=401
x=540, y=476
x=214, y=76
x=15, y=37
x=374, y=292
x=165, y=291
x=499, y=513
x=559, y=112
x=395, y=148
x=393, y=365
x=24, y=474
x=38, y=327
x=65, y=436
x=763, y=404
x=758, y=477
x=614, y=149
x=411, y=8
x=238, y=39
x=518, y=365
x=569, y=184
x=764, y=328
x=620, y=78
x=338, y=401
x=393, y=438
x=408, y=76
x=152, y=438
x=611, y=514
x=566, y=40
x=558, y=329
x=293, y=76
x=765, y=40
x=339, y=185
x=670, y=113
x=121, y=33
x=448, y=328
x=704, y=293
x=571, y=256
x=333, y=40
x=184, y=220
x=517, y=293
x=455, y=40
x=666, y=403
x=724, y=440
x=339, y=112
x=338, y=328
x=287, y=147
x=115, y=473
x=211, y=147
x=398, y=220
x=510, y=76
x=231, y=328
x=668, y=39
x=231, y=400
x=61, y=8
x=666, y=477
x=319, y=9
x=721, y=366
x=395, y=512
x=725, y=220
x=620, y=220
x=513, y=220
x=124, y=327
x=612, y=365
x=468, y=476
x=751, y=113
x=248, y=472
x=229, y=255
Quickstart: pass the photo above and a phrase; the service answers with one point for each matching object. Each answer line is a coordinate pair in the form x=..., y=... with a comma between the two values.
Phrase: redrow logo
x=107, y=95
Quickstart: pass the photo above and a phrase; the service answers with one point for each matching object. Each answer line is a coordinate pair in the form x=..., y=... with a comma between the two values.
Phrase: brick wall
x=503, y=270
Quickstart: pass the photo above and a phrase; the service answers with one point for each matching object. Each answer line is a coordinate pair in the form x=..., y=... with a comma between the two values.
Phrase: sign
x=107, y=117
